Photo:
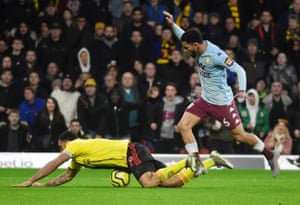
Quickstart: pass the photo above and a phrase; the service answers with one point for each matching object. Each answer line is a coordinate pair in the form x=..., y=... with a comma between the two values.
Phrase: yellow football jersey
x=97, y=153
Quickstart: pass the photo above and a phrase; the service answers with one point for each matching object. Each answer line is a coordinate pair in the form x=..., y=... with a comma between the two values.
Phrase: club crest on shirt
x=207, y=60
x=228, y=61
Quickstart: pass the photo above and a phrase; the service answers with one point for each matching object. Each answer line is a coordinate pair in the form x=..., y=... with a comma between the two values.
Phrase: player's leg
x=185, y=125
x=186, y=174
x=242, y=136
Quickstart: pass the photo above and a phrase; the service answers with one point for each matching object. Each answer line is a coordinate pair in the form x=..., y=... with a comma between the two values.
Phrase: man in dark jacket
x=90, y=109
x=14, y=135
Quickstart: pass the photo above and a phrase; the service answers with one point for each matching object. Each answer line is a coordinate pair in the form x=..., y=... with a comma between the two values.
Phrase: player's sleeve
x=71, y=150
x=225, y=61
x=177, y=31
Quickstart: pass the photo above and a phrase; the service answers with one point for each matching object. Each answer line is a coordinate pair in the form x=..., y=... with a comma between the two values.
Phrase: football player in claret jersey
x=216, y=99
x=105, y=153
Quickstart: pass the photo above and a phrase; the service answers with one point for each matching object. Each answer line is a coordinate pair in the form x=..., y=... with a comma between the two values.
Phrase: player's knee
x=239, y=137
x=182, y=127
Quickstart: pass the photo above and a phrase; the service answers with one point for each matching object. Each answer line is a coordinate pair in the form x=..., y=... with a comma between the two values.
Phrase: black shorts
x=140, y=160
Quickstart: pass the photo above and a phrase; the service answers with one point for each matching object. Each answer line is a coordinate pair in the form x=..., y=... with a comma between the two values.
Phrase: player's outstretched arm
x=170, y=21
x=45, y=171
x=65, y=177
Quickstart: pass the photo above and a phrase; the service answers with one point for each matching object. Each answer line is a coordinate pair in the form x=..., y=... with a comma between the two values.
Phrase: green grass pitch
x=218, y=187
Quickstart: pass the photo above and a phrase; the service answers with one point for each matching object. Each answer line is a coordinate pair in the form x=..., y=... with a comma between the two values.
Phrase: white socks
x=192, y=147
x=259, y=145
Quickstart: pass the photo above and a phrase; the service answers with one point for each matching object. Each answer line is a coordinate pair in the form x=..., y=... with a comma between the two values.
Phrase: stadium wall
x=38, y=160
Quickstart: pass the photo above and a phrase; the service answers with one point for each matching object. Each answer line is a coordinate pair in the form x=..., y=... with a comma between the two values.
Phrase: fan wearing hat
x=90, y=108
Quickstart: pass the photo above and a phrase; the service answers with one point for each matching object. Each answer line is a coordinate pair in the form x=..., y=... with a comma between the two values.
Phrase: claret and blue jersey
x=212, y=65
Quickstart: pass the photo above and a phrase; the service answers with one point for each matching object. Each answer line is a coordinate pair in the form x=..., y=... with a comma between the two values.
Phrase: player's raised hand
x=24, y=184
x=169, y=17
x=241, y=94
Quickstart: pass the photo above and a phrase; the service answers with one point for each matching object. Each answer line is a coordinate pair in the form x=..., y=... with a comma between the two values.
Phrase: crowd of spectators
x=113, y=69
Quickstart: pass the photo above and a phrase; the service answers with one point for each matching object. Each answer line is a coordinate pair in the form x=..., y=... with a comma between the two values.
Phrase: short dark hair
x=67, y=136
x=192, y=36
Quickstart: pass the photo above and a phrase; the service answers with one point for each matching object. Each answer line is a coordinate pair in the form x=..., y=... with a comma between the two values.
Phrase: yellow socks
x=186, y=175
x=208, y=163
x=167, y=172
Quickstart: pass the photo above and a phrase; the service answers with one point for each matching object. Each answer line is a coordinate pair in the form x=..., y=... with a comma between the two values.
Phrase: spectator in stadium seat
x=293, y=9
x=34, y=83
x=67, y=99
x=198, y=21
x=98, y=30
x=137, y=23
x=14, y=135
x=282, y=70
x=50, y=15
x=75, y=128
x=131, y=94
x=154, y=12
x=30, y=106
x=164, y=46
x=31, y=63
x=148, y=79
x=90, y=109
x=190, y=93
x=230, y=28
x=150, y=133
x=85, y=65
x=53, y=72
x=279, y=138
x=261, y=88
x=214, y=31
x=121, y=7
x=125, y=17
x=105, y=49
x=177, y=71
x=255, y=119
x=117, y=116
x=185, y=23
x=137, y=48
x=165, y=118
x=74, y=5
x=253, y=62
x=109, y=84
x=47, y=126
x=11, y=93
x=83, y=34
x=54, y=49
x=180, y=8
x=267, y=35
x=6, y=63
x=24, y=33
x=276, y=103
x=18, y=59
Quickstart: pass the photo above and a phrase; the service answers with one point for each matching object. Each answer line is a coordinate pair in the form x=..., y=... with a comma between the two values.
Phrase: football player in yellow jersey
x=105, y=153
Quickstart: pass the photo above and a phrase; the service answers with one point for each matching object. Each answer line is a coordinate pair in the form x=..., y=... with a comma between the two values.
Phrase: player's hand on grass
x=24, y=184
x=169, y=17
x=38, y=184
